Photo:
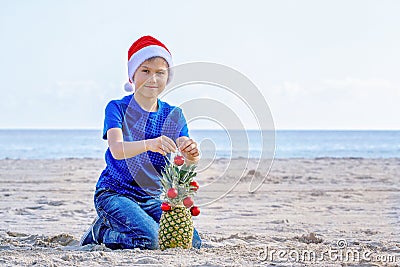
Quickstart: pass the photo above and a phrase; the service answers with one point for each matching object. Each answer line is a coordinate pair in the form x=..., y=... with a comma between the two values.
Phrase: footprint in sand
x=51, y=203
x=310, y=238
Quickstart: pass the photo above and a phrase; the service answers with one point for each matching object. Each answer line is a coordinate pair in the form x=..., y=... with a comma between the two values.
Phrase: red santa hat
x=142, y=49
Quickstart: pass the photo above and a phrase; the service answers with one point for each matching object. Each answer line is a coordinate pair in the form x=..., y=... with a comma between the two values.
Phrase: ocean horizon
x=88, y=143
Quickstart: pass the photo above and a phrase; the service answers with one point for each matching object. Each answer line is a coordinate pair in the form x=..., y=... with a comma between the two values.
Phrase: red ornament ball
x=194, y=184
x=195, y=210
x=179, y=160
x=172, y=193
x=188, y=202
x=165, y=206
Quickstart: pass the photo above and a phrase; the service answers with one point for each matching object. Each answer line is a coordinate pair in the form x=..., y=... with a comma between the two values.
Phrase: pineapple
x=176, y=224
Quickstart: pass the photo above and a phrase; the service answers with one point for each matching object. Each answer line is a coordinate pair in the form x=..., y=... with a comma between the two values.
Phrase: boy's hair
x=153, y=58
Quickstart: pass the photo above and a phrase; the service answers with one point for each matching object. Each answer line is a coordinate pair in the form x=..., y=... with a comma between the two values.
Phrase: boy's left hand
x=188, y=148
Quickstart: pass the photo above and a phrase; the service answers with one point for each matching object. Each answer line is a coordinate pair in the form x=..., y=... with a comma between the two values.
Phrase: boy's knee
x=149, y=238
x=153, y=244
x=149, y=242
x=154, y=240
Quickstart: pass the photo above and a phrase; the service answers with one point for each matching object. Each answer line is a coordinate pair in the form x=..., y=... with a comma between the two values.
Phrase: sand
x=324, y=206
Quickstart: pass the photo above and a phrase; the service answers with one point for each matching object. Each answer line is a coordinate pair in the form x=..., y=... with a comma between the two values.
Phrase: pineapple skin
x=176, y=228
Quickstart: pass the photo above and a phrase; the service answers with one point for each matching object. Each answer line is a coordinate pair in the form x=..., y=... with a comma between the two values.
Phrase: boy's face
x=151, y=77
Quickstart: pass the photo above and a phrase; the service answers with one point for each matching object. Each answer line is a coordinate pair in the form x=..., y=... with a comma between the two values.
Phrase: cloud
x=349, y=103
x=341, y=87
x=356, y=86
x=62, y=104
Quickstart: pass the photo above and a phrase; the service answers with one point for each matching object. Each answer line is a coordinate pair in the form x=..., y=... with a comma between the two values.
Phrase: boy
x=140, y=130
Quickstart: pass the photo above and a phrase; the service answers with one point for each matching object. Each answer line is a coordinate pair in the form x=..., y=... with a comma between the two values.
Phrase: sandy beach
x=325, y=206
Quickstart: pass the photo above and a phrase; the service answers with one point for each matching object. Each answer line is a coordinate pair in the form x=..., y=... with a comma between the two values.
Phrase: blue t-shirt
x=139, y=176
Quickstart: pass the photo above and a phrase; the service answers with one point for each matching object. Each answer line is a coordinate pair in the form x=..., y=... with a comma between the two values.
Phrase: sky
x=318, y=64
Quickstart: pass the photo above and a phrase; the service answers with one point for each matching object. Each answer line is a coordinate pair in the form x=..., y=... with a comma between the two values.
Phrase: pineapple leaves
x=178, y=177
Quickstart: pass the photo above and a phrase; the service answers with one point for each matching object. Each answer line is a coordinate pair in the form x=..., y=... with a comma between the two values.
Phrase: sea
x=56, y=144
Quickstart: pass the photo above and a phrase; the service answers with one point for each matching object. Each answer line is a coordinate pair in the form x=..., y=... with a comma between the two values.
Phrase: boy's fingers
x=190, y=147
x=160, y=149
x=193, y=151
x=166, y=148
x=167, y=144
x=183, y=144
x=188, y=144
x=170, y=144
x=196, y=154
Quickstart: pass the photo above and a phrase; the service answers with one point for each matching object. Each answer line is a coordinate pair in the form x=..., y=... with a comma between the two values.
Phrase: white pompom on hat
x=128, y=87
x=142, y=49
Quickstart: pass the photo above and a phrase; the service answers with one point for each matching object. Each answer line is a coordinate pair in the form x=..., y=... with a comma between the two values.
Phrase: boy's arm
x=123, y=150
x=188, y=148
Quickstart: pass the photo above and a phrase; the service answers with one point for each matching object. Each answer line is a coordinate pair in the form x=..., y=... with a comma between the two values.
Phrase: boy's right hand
x=162, y=145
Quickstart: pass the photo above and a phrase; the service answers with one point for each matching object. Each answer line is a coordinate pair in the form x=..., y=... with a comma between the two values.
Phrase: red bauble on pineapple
x=194, y=184
x=188, y=202
x=172, y=193
x=179, y=160
x=195, y=210
x=165, y=206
